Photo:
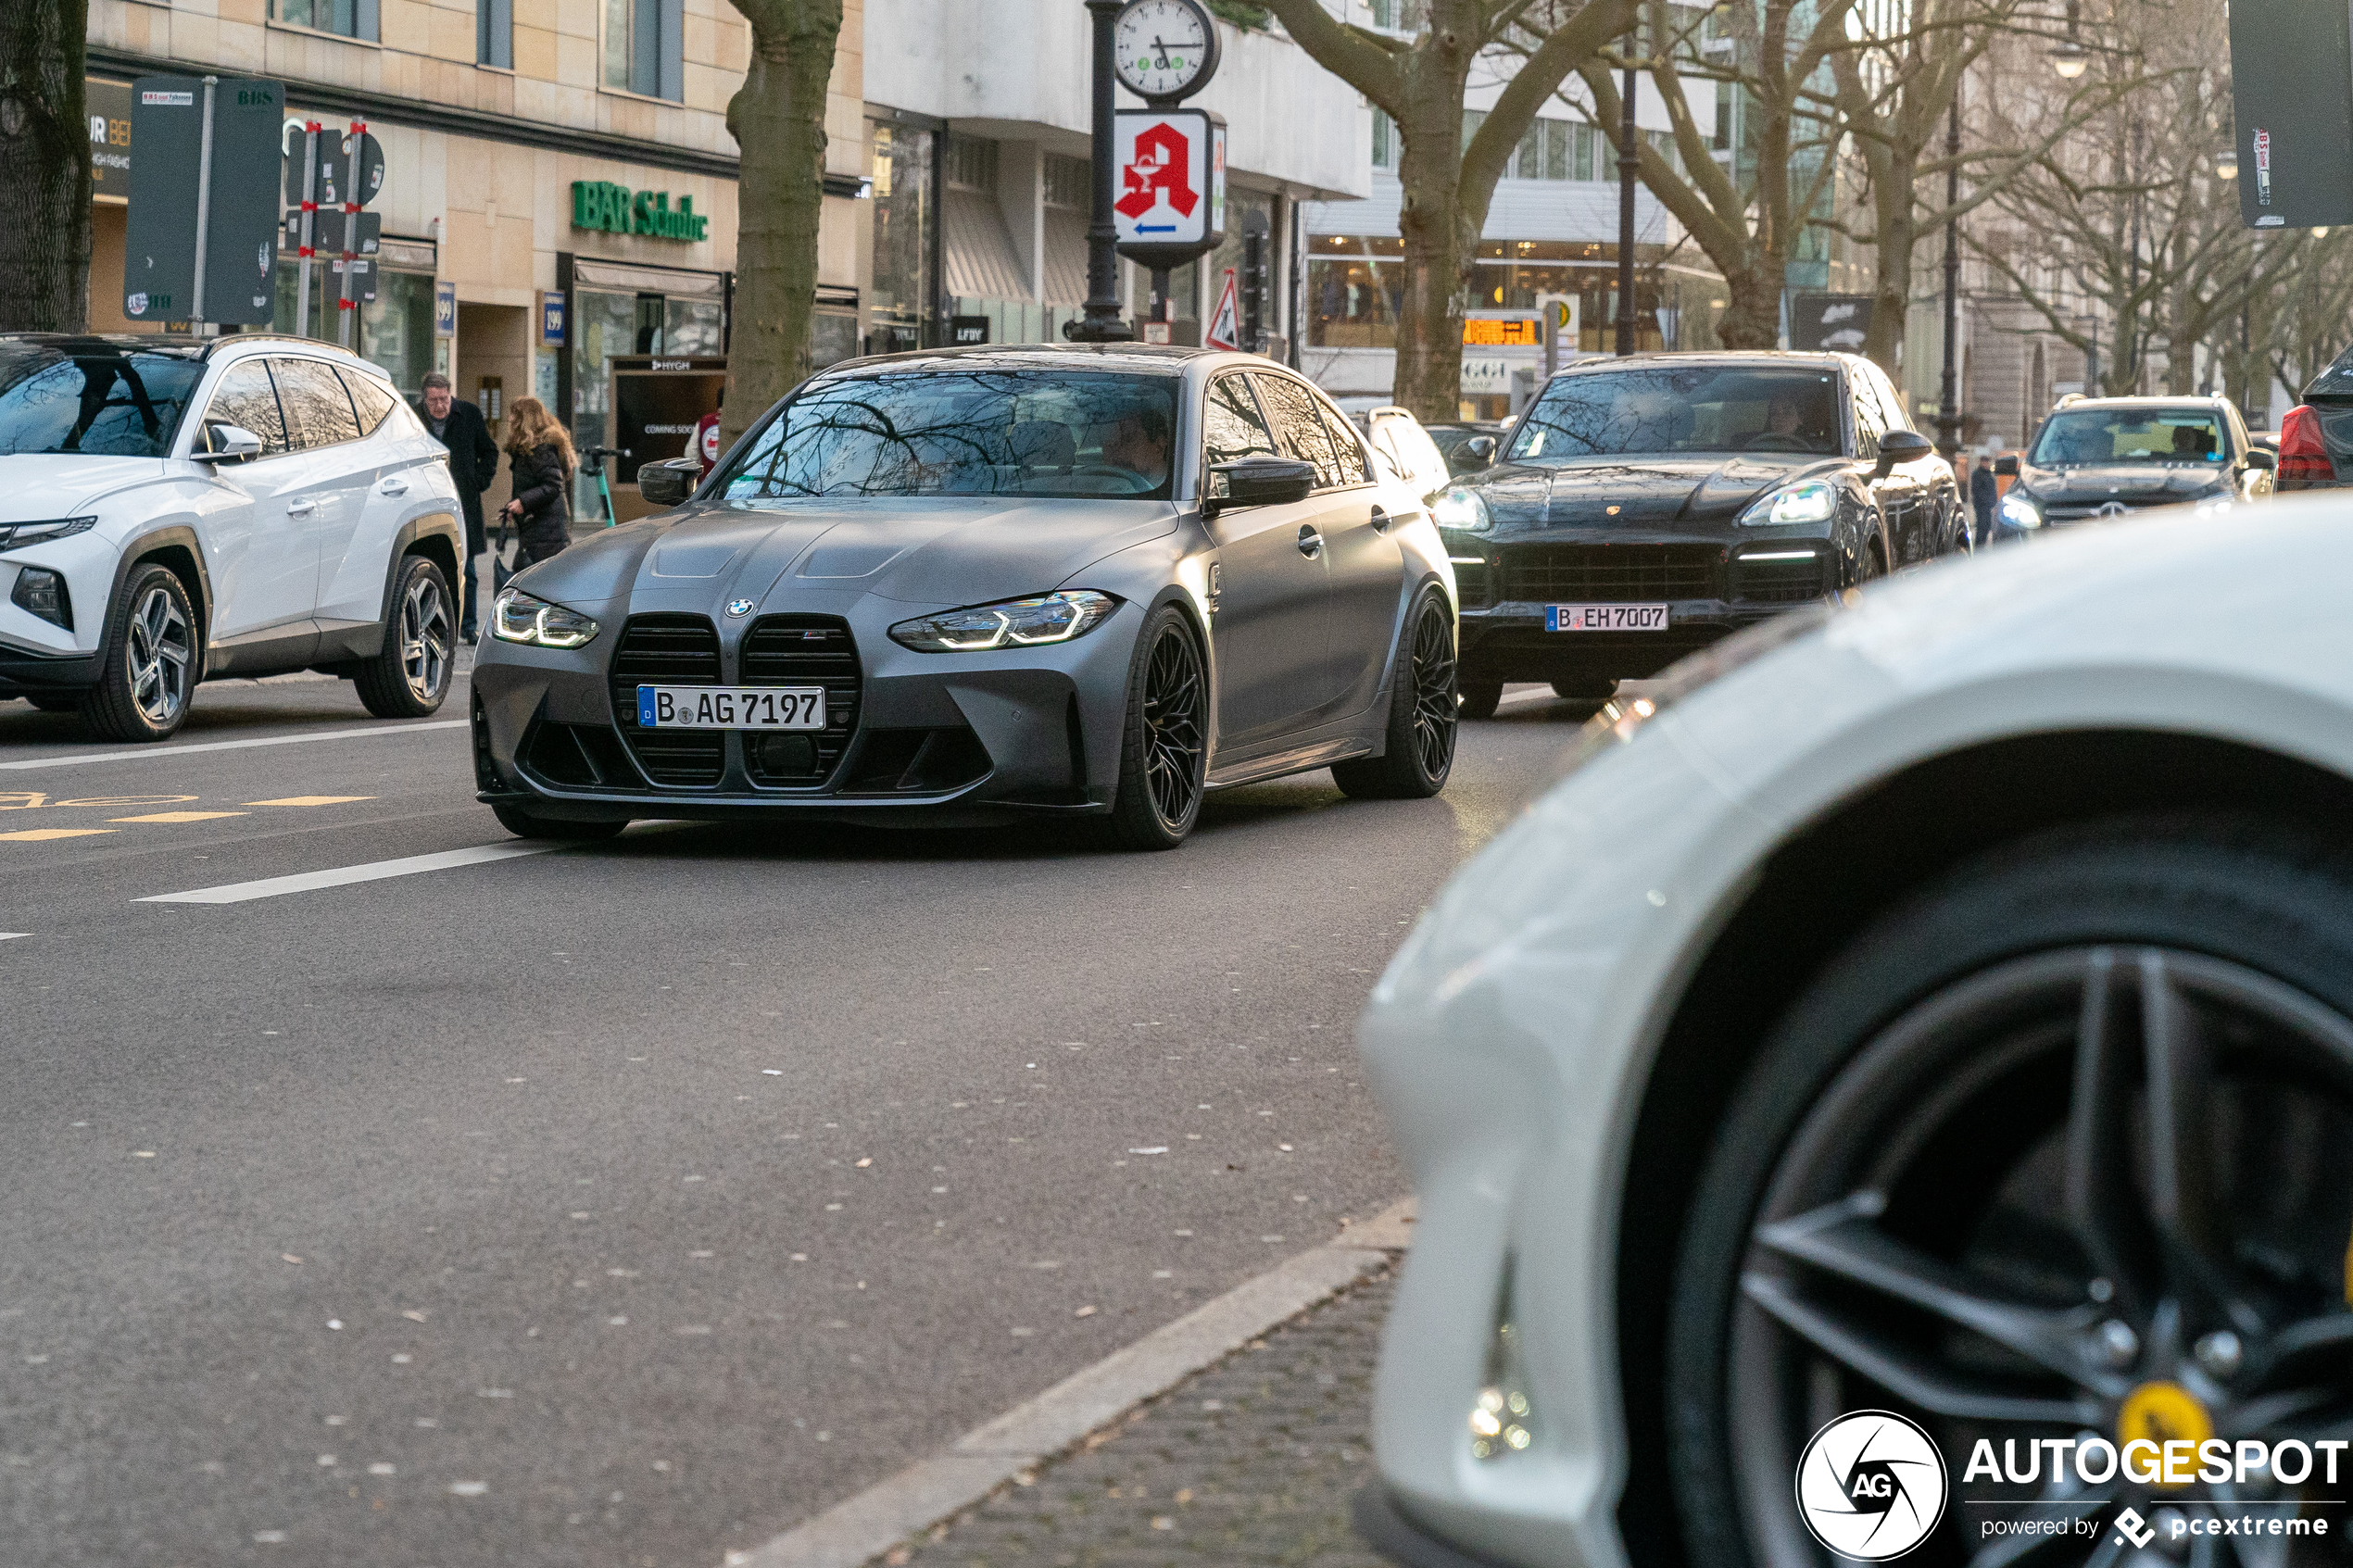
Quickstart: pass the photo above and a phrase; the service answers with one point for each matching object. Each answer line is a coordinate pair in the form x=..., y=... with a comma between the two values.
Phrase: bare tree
x=1449, y=178
x=778, y=121
x=1746, y=223
x=44, y=167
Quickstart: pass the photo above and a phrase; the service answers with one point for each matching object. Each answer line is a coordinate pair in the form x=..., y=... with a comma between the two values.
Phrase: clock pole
x=1101, y=323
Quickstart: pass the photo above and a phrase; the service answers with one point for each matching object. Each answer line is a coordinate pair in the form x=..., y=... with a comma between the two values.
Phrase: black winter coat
x=474, y=461
x=542, y=484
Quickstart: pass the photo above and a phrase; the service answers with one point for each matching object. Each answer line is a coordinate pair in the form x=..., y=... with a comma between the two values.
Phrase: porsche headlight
x=2018, y=511
x=1464, y=511
x=1013, y=623
x=12, y=535
x=1814, y=501
x=518, y=618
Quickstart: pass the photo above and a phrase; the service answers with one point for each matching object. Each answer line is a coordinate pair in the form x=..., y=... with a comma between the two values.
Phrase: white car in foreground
x=173, y=510
x=1944, y=1011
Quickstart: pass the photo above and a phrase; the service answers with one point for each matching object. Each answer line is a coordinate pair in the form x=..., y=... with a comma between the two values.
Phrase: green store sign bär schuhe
x=598, y=204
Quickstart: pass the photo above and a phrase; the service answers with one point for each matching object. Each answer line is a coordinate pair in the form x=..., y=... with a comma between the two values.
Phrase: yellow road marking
x=312, y=800
x=177, y=817
x=32, y=835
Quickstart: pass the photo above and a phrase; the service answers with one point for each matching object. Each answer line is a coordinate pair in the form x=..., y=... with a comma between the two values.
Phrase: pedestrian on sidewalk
x=539, y=458
x=1983, y=491
x=473, y=463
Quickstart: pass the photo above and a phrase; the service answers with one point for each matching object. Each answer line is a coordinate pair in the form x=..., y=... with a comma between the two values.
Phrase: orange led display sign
x=1522, y=332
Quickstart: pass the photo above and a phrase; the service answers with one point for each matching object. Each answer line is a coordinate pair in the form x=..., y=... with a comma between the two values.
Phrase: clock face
x=1162, y=44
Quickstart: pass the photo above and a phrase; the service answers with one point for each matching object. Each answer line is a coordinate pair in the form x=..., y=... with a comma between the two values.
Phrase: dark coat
x=542, y=484
x=1983, y=491
x=474, y=462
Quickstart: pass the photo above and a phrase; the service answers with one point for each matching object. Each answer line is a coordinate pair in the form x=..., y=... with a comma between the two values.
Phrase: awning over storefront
x=623, y=276
x=981, y=262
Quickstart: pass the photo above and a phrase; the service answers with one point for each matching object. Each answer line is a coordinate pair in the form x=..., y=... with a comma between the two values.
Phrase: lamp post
x=1628, y=156
x=1102, y=322
x=1948, y=417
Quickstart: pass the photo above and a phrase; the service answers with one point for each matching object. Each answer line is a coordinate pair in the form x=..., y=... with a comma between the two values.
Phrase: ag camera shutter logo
x=1871, y=1486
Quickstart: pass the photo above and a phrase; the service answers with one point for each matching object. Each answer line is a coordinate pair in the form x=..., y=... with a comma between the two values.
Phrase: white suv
x=175, y=510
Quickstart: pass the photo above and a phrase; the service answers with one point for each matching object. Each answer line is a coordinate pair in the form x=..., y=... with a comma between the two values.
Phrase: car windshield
x=91, y=398
x=967, y=432
x=2133, y=435
x=1688, y=408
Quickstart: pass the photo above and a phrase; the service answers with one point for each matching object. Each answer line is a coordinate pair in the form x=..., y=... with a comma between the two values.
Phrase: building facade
x=519, y=136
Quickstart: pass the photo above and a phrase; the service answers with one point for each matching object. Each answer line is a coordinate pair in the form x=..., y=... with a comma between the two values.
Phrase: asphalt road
x=626, y=1204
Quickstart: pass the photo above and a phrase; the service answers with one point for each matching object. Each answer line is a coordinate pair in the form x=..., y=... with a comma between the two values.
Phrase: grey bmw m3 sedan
x=982, y=585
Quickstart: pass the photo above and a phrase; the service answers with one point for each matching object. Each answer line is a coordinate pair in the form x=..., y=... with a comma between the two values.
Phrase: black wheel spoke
x=2102, y=1207
x=1844, y=1239
x=2182, y=1176
x=1172, y=749
x=1904, y=1372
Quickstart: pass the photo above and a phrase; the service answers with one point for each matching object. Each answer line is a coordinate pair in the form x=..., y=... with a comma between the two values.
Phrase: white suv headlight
x=2018, y=512
x=13, y=535
x=1814, y=501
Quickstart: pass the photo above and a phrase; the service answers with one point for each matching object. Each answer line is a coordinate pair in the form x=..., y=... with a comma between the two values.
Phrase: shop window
x=1353, y=302
x=906, y=213
x=644, y=48
x=1385, y=144
x=352, y=19
x=972, y=163
x=495, y=33
x=1067, y=183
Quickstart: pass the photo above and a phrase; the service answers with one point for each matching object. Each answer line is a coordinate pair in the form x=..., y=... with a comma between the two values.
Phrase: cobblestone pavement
x=1249, y=1463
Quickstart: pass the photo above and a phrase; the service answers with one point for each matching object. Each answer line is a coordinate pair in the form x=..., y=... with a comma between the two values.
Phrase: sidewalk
x=1251, y=1462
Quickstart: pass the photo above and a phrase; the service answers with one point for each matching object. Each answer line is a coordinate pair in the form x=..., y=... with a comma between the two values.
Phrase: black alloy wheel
x=2062, y=1150
x=1164, y=760
x=1423, y=716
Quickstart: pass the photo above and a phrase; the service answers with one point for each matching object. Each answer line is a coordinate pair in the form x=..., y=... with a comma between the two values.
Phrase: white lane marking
x=13, y=935
x=859, y=1528
x=236, y=745
x=375, y=870
x=1541, y=693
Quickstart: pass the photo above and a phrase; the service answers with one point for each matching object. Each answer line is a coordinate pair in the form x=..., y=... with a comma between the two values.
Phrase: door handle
x=1380, y=521
x=1310, y=542
x=301, y=508
x=394, y=488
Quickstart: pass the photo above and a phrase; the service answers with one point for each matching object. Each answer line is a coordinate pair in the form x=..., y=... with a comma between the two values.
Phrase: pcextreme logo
x=1871, y=1486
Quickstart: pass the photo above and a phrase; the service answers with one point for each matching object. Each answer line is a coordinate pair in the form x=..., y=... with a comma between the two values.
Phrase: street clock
x=1167, y=50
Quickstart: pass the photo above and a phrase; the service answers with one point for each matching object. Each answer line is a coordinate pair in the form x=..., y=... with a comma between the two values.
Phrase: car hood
x=2139, y=484
x=1637, y=492
x=35, y=486
x=922, y=551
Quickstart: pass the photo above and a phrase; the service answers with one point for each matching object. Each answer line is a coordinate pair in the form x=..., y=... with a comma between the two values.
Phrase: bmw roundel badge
x=740, y=606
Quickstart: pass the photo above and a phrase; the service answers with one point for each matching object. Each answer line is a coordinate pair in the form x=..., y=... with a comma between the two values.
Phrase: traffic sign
x=198, y=243
x=1170, y=167
x=2292, y=83
x=1224, y=322
x=335, y=162
x=327, y=232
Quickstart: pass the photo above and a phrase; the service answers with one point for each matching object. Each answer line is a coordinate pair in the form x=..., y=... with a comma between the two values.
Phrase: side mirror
x=667, y=484
x=2007, y=465
x=229, y=443
x=2257, y=458
x=1481, y=447
x=1261, y=482
x=1903, y=446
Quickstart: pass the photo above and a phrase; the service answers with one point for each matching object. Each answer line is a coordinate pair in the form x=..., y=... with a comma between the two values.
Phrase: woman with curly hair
x=539, y=455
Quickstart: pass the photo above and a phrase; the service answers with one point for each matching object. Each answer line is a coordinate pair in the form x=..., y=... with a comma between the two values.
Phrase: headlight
x=1015, y=624
x=15, y=533
x=518, y=618
x=2018, y=511
x=1814, y=501
x=1463, y=510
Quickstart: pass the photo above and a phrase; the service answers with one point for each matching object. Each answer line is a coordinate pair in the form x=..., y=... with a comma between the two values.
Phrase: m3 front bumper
x=911, y=738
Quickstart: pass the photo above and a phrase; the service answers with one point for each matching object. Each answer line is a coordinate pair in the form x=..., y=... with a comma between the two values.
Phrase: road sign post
x=352, y=195
x=308, y=221
x=199, y=244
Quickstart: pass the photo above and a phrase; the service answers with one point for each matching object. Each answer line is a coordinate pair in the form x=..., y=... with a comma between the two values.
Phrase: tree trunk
x=44, y=167
x=1898, y=236
x=778, y=121
x=1437, y=261
x=1752, y=316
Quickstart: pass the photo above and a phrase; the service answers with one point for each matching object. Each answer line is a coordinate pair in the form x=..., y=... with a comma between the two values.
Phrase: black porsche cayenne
x=1647, y=506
